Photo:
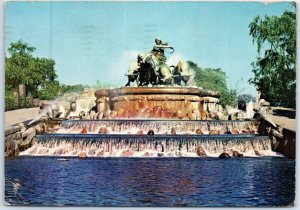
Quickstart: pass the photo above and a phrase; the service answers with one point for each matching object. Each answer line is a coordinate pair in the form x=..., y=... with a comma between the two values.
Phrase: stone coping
x=17, y=127
x=156, y=90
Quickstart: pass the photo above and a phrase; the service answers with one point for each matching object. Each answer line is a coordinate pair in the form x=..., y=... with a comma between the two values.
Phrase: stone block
x=11, y=129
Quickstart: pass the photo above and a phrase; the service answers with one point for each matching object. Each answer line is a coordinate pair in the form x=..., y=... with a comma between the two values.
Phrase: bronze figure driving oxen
x=151, y=69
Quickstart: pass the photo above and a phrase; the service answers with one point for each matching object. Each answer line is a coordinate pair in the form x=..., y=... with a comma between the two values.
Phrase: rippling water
x=267, y=181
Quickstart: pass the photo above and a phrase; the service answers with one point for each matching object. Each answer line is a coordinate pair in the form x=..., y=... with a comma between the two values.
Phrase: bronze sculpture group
x=151, y=68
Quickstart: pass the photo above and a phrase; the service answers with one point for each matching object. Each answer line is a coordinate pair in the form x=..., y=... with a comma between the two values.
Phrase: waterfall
x=147, y=146
x=158, y=126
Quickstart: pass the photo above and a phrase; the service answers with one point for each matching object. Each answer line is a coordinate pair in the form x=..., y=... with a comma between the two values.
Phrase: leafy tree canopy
x=22, y=68
x=214, y=79
x=20, y=48
x=275, y=67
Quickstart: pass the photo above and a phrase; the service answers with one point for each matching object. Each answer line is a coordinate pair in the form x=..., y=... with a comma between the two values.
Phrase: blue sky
x=93, y=41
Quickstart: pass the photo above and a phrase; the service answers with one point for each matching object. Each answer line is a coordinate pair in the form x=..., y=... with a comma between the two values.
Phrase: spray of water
x=174, y=60
x=192, y=81
x=47, y=111
x=249, y=110
x=44, y=113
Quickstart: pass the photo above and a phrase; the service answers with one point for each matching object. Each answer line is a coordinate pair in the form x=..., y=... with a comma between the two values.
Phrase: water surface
x=51, y=181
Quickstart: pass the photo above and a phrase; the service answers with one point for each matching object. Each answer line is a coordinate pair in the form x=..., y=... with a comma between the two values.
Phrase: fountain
x=158, y=118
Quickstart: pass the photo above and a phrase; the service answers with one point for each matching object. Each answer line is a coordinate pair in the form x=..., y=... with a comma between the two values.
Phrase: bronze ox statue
x=132, y=73
x=181, y=73
x=149, y=70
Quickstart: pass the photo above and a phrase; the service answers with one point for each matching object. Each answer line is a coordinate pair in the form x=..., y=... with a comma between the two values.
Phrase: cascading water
x=157, y=126
x=103, y=145
x=129, y=137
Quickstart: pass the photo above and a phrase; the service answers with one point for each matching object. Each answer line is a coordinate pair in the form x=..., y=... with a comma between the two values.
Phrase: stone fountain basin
x=173, y=90
x=179, y=101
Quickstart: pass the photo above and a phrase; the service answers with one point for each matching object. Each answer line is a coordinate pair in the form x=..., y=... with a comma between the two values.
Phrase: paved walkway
x=20, y=115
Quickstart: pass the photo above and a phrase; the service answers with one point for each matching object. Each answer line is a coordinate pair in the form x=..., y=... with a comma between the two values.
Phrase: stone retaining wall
x=283, y=139
x=287, y=145
x=19, y=137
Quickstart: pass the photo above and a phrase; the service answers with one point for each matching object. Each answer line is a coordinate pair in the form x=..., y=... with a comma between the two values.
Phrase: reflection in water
x=157, y=188
x=151, y=181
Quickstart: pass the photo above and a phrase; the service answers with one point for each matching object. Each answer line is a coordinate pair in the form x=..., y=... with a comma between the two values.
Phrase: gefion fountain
x=162, y=116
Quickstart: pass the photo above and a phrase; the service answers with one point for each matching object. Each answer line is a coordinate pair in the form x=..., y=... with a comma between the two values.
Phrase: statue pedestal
x=157, y=102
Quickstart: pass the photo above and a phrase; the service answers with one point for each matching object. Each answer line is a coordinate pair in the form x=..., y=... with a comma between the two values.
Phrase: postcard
x=150, y=104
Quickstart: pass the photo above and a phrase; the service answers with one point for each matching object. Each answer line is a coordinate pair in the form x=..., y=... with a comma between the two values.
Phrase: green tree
x=71, y=88
x=215, y=79
x=9, y=101
x=50, y=90
x=21, y=48
x=101, y=84
x=22, y=68
x=275, y=67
